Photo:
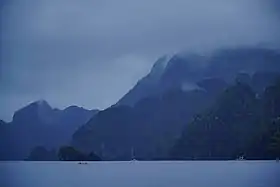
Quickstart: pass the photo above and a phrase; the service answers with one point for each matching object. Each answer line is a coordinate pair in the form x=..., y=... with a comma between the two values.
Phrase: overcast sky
x=90, y=53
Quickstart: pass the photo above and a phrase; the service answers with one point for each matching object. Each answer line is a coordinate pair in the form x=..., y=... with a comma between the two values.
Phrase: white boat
x=132, y=155
x=240, y=158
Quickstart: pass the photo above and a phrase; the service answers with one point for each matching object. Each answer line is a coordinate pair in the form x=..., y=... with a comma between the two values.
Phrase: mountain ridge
x=38, y=124
x=188, y=68
x=151, y=116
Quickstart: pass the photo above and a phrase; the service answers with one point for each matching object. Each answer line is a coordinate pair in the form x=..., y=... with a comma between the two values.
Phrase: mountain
x=39, y=112
x=238, y=124
x=38, y=124
x=184, y=70
x=151, y=116
x=150, y=127
x=222, y=102
x=167, y=73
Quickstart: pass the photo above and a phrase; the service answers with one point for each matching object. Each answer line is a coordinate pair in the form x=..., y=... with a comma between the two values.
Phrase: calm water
x=140, y=174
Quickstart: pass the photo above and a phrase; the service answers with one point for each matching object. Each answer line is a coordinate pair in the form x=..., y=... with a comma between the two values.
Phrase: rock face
x=38, y=124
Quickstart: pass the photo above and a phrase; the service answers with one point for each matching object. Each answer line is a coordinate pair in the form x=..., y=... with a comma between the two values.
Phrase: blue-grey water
x=141, y=174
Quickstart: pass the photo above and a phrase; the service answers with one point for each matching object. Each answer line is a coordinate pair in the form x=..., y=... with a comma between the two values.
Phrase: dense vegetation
x=68, y=153
x=240, y=124
x=65, y=153
x=40, y=153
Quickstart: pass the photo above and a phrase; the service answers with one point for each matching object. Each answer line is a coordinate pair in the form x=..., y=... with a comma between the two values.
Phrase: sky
x=91, y=52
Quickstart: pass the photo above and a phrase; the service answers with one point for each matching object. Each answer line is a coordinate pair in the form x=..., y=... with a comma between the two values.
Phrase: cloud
x=90, y=53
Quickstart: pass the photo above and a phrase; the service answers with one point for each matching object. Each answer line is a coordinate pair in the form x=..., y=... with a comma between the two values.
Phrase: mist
x=90, y=53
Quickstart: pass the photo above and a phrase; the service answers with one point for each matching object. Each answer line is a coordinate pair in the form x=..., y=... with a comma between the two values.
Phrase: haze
x=90, y=53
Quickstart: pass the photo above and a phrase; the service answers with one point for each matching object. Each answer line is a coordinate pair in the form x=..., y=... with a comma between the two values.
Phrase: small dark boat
x=82, y=163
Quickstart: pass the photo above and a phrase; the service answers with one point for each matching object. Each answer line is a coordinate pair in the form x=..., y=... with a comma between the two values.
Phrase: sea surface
x=141, y=174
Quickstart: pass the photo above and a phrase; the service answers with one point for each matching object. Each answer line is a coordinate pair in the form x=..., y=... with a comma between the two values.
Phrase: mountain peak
x=161, y=63
x=36, y=111
x=41, y=101
x=42, y=104
x=159, y=67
